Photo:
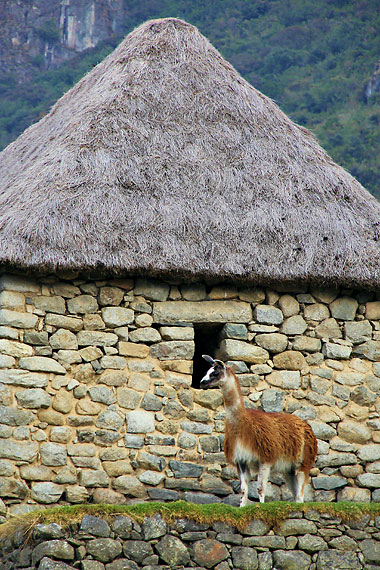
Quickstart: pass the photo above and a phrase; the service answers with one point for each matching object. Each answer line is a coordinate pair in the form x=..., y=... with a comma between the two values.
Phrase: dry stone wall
x=96, y=396
x=309, y=541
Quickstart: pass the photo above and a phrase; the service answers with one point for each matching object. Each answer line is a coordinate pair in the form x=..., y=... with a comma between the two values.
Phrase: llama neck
x=233, y=399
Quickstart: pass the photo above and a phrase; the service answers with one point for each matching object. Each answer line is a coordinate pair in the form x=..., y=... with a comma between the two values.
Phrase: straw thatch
x=164, y=161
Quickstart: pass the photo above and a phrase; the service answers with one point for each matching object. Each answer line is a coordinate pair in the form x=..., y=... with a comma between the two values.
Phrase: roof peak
x=163, y=160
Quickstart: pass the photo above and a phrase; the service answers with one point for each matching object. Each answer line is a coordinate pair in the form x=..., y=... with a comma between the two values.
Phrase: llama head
x=214, y=377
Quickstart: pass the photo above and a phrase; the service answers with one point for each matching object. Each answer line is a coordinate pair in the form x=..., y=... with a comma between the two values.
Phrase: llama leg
x=262, y=480
x=244, y=481
x=301, y=479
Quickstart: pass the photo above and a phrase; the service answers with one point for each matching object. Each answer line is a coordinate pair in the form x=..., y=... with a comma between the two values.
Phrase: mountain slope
x=314, y=58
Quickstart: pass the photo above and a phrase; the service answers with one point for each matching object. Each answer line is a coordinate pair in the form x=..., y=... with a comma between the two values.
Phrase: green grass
x=271, y=513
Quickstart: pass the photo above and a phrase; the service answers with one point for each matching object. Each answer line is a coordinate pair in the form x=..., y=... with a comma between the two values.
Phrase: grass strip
x=272, y=513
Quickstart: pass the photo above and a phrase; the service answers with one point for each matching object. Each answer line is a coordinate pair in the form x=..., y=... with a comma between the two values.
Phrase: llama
x=257, y=441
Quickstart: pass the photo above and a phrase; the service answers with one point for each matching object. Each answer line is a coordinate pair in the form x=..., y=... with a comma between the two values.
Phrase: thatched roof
x=164, y=161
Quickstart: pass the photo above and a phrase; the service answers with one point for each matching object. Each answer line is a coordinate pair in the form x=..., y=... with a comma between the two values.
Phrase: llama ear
x=208, y=359
x=220, y=363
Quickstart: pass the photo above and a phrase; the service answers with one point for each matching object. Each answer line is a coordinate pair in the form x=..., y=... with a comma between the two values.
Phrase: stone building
x=163, y=209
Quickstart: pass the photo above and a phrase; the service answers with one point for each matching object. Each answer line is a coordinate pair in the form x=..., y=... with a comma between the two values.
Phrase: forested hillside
x=315, y=58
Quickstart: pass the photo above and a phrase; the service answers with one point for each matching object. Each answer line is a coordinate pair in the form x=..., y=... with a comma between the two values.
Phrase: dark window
x=206, y=338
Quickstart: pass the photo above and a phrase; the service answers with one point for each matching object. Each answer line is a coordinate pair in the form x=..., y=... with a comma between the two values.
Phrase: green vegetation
x=272, y=513
x=314, y=58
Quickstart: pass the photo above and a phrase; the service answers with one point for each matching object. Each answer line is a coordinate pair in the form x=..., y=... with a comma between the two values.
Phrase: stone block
x=208, y=399
x=294, y=325
x=272, y=400
x=328, y=328
x=117, y=316
x=46, y=492
x=11, y=416
x=117, y=468
x=354, y=495
x=294, y=527
x=349, y=378
x=196, y=427
x=372, y=311
x=51, y=417
x=102, y=394
x=311, y=543
x=60, y=434
x=133, y=350
x=33, y=398
x=194, y=292
x=369, y=480
x=19, y=451
x=223, y=292
x=273, y=342
x=268, y=315
x=68, y=357
x=53, y=454
x=289, y=360
x=357, y=331
x=110, y=419
x=128, y=398
x=96, y=338
x=230, y=349
x=74, y=324
x=307, y=344
x=14, y=348
x=369, y=453
x=66, y=290
x=140, y=421
x=82, y=305
x=322, y=430
x=329, y=483
x=362, y=396
x=292, y=559
x=129, y=486
x=143, y=320
x=336, y=351
x=285, y=379
x=288, y=305
x=174, y=312
x=36, y=473
x=236, y=331
x=354, y=432
x=63, y=339
x=12, y=300
x=173, y=350
x=209, y=552
x=344, y=308
x=93, y=478
x=7, y=361
x=146, y=335
x=50, y=304
x=113, y=362
x=40, y=338
x=252, y=295
x=41, y=364
x=110, y=296
x=151, y=289
x=316, y=312
x=177, y=333
x=369, y=349
x=9, y=282
x=9, y=333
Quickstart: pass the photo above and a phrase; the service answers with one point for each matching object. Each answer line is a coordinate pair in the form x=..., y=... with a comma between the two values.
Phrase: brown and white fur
x=258, y=441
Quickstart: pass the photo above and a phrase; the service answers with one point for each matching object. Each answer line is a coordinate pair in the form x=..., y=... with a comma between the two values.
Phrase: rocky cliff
x=46, y=32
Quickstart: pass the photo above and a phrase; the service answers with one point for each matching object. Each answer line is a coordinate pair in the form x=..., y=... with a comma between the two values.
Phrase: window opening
x=206, y=339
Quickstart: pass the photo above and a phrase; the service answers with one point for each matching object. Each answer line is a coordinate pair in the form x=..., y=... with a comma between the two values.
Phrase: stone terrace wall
x=306, y=542
x=96, y=397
